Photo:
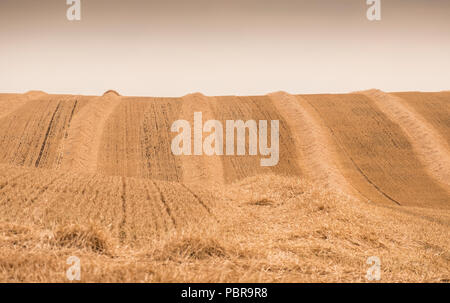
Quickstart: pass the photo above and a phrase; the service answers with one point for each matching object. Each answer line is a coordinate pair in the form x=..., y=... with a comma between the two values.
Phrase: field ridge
x=81, y=145
x=206, y=170
x=316, y=149
x=430, y=147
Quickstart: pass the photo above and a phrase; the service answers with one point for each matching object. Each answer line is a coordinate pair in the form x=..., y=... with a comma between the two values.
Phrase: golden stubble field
x=359, y=175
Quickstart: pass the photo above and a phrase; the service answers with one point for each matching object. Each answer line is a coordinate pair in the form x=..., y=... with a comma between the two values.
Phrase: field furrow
x=158, y=162
x=434, y=107
x=431, y=148
x=33, y=133
x=377, y=156
x=256, y=108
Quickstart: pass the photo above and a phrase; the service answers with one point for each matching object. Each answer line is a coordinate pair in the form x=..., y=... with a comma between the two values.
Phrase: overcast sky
x=239, y=47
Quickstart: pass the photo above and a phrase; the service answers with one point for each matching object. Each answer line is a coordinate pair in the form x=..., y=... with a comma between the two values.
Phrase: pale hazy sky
x=245, y=47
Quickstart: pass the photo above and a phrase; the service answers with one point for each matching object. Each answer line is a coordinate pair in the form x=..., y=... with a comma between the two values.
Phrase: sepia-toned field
x=359, y=175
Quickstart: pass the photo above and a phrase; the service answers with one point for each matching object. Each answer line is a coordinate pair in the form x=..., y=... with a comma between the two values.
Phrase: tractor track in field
x=8, y=181
x=44, y=143
x=123, y=222
x=66, y=134
x=45, y=187
x=149, y=200
x=199, y=200
x=164, y=201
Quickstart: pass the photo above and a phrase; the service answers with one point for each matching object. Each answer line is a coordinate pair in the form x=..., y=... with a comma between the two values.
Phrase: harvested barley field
x=359, y=175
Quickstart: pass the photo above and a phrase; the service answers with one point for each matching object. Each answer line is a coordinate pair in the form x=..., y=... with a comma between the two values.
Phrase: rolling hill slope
x=361, y=174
